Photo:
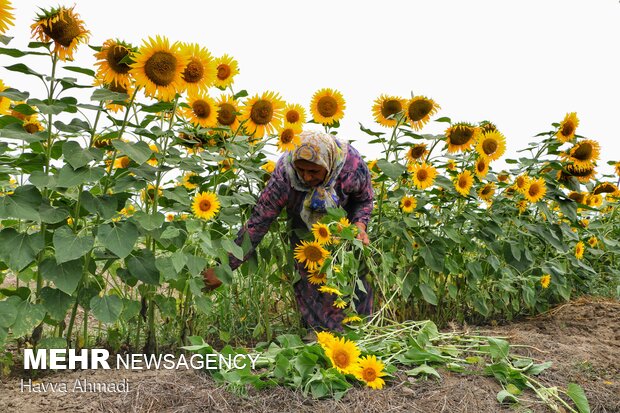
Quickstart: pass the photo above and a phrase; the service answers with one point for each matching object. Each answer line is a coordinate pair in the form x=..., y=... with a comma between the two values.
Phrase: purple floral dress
x=354, y=189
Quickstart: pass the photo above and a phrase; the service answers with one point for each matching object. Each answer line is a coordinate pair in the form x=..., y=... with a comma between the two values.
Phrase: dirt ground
x=581, y=338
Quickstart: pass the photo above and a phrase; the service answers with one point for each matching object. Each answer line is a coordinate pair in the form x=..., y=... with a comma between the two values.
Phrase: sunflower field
x=130, y=176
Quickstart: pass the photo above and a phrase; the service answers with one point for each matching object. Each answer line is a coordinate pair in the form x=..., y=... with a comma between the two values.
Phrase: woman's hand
x=210, y=279
x=361, y=233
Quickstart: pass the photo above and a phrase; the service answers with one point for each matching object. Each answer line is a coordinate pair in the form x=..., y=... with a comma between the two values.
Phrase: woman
x=322, y=172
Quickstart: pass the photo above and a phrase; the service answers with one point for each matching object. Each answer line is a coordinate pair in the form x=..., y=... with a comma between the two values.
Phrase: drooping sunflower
x=461, y=136
x=200, y=72
x=351, y=319
x=317, y=277
x=32, y=124
x=387, y=108
x=228, y=112
x=202, y=110
x=487, y=191
x=605, y=188
x=566, y=131
x=327, y=106
x=6, y=17
x=464, y=182
x=187, y=180
x=419, y=110
x=579, y=250
x=371, y=371
x=481, y=167
x=294, y=114
x=417, y=152
x=288, y=138
x=64, y=27
x=545, y=280
x=583, y=175
x=263, y=114
x=503, y=176
x=206, y=205
x=321, y=233
x=344, y=355
x=535, y=190
x=227, y=69
x=491, y=145
x=111, y=67
x=423, y=175
x=340, y=303
x=311, y=254
x=159, y=68
x=584, y=154
x=577, y=197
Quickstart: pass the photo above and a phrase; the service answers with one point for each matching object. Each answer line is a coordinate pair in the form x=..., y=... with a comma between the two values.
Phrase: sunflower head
x=227, y=68
x=269, y=166
x=327, y=106
x=205, y=205
x=464, y=182
x=408, y=204
x=579, y=250
x=577, y=197
x=6, y=17
x=545, y=280
x=584, y=154
x=481, y=167
x=419, y=110
x=423, y=175
x=592, y=242
x=312, y=254
x=461, y=136
x=617, y=168
x=63, y=26
x=387, y=108
x=263, y=114
x=321, y=233
x=325, y=339
x=371, y=372
x=113, y=67
x=491, y=145
x=535, y=190
x=228, y=112
x=200, y=72
x=582, y=174
x=32, y=125
x=317, y=277
x=344, y=355
x=487, y=191
x=201, y=110
x=417, y=152
x=566, y=131
x=288, y=138
x=605, y=188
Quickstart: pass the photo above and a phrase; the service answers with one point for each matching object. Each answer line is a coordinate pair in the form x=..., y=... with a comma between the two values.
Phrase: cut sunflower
x=419, y=110
x=317, y=277
x=64, y=27
x=463, y=183
x=325, y=339
x=423, y=175
x=159, y=68
x=263, y=114
x=227, y=112
x=535, y=190
x=579, y=250
x=112, y=69
x=330, y=290
x=340, y=303
x=408, y=204
x=6, y=17
x=545, y=280
x=311, y=254
x=321, y=233
x=205, y=205
x=327, y=106
x=288, y=138
x=294, y=114
x=370, y=371
x=202, y=110
x=344, y=355
x=227, y=69
x=491, y=145
x=566, y=131
x=461, y=136
x=200, y=72
x=387, y=108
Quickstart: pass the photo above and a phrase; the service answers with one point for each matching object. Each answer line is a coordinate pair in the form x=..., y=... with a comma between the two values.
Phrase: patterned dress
x=354, y=189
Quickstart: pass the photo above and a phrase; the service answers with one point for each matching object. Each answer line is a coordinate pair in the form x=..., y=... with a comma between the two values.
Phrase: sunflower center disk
x=461, y=136
x=205, y=205
x=463, y=182
x=422, y=175
x=417, y=152
x=369, y=374
x=327, y=106
x=481, y=166
x=583, y=152
x=64, y=30
x=226, y=115
x=391, y=107
x=201, y=109
x=31, y=128
x=114, y=56
x=292, y=116
x=193, y=72
x=407, y=203
x=116, y=87
x=342, y=359
x=287, y=136
x=223, y=72
x=161, y=68
x=262, y=112
x=323, y=233
x=568, y=129
x=313, y=254
x=419, y=109
x=489, y=146
x=534, y=190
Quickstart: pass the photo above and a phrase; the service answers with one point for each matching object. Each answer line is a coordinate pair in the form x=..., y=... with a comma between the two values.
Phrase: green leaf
x=65, y=276
x=141, y=264
x=203, y=304
x=106, y=309
x=16, y=131
x=138, y=151
x=22, y=204
x=149, y=222
x=69, y=246
x=28, y=317
x=428, y=294
x=8, y=313
x=82, y=70
x=15, y=94
x=56, y=302
x=75, y=155
x=505, y=396
x=576, y=393
x=55, y=108
x=51, y=215
x=428, y=253
x=106, y=94
x=232, y=248
x=18, y=249
x=498, y=348
x=392, y=169
x=22, y=68
x=68, y=177
x=305, y=362
x=118, y=238
x=423, y=369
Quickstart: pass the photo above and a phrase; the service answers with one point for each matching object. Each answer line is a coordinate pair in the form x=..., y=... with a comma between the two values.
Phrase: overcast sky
x=520, y=64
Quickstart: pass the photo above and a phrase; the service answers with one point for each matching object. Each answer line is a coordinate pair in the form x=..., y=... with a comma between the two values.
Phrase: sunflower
x=579, y=250
x=419, y=111
x=424, y=175
x=592, y=242
x=327, y=106
x=461, y=136
x=200, y=71
x=149, y=193
x=6, y=17
x=408, y=204
x=330, y=290
x=521, y=182
x=153, y=159
x=169, y=217
x=159, y=68
x=503, y=176
x=464, y=182
x=111, y=67
x=545, y=280
x=126, y=89
x=344, y=355
x=605, y=188
x=263, y=114
x=202, y=110
x=317, y=277
x=325, y=339
x=226, y=164
x=481, y=167
x=187, y=180
x=487, y=191
x=312, y=254
x=64, y=27
x=322, y=234
x=417, y=152
x=583, y=175
x=522, y=205
x=122, y=162
x=491, y=145
x=205, y=205
x=372, y=165
x=227, y=69
x=340, y=303
x=288, y=138
x=32, y=125
x=594, y=200
x=584, y=153
x=5, y=103
x=617, y=168
x=577, y=197
x=535, y=190
x=566, y=131
x=294, y=114
x=486, y=126
x=370, y=371
x=351, y=319
x=269, y=167
x=386, y=108
x=451, y=165
x=227, y=112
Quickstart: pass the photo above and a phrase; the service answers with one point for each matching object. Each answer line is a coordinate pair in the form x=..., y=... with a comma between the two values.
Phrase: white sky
x=520, y=64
